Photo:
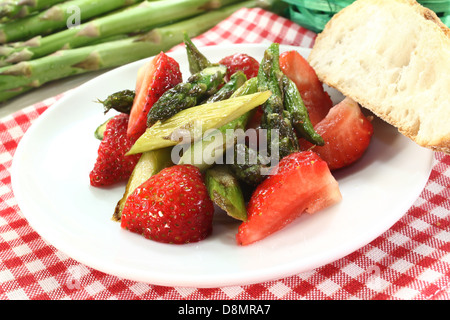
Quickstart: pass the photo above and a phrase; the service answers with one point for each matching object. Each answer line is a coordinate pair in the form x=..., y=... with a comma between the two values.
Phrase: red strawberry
x=347, y=134
x=240, y=61
x=316, y=99
x=112, y=165
x=171, y=207
x=303, y=183
x=153, y=79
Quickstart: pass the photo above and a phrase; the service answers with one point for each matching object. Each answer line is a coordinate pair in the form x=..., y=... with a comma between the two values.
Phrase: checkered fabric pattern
x=411, y=260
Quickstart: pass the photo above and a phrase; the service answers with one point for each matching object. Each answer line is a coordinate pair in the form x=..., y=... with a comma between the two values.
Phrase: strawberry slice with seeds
x=347, y=133
x=172, y=206
x=316, y=99
x=112, y=165
x=153, y=79
x=302, y=183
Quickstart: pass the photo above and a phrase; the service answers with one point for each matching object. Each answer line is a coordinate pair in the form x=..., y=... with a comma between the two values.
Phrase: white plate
x=50, y=177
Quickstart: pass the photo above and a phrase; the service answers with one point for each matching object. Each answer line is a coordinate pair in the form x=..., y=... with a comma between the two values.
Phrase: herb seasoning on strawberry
x=172, y=206
x=154, y=78
x=302, y=183
x=112, y=165
x=347, y=133
x=240, y=61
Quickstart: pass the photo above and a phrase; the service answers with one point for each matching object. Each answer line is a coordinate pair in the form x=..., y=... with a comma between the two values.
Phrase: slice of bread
x=393, y=58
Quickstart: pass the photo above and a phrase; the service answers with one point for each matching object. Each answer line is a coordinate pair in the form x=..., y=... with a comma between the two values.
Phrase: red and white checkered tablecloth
x=411, y=260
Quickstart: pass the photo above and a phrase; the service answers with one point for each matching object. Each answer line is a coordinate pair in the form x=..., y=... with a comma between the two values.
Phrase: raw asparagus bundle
x=19, y=78
x=123, y=38
x=142, y=17
x=56, y=18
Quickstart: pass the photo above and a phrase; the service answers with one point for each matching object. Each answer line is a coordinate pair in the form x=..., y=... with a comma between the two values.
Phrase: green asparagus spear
x=57, y=18
x=237, y=79
x=274, y=116
x=121, y=101
x=23, y=76
x=14, y=92
x=187, y=94
x=139, y=18
x=293, y=103
x=225, y=191
x=23, y=8
x=269, y=75
x=197, y=61
x=204, y=153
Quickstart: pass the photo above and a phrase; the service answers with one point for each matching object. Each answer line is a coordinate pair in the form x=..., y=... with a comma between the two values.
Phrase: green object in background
x=56, y=18
x=314, y=14
x=27, y=75
x=13, y=9
x=138, y=18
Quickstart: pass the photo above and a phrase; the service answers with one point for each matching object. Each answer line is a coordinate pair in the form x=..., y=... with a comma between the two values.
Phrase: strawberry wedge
x=302, y=183
x=347, y=133
x=316, y=99
x=153, y=79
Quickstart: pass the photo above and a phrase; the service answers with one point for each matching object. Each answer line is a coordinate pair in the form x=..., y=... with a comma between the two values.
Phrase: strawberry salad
x=159, y=142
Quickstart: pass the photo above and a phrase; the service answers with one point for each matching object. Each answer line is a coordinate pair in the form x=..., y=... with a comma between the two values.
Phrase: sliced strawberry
x=315, y=98
x=240, y=61
x=347, y=134
x=302, y=183
x=157, y=76
x=112, y=165
x=172, y=206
